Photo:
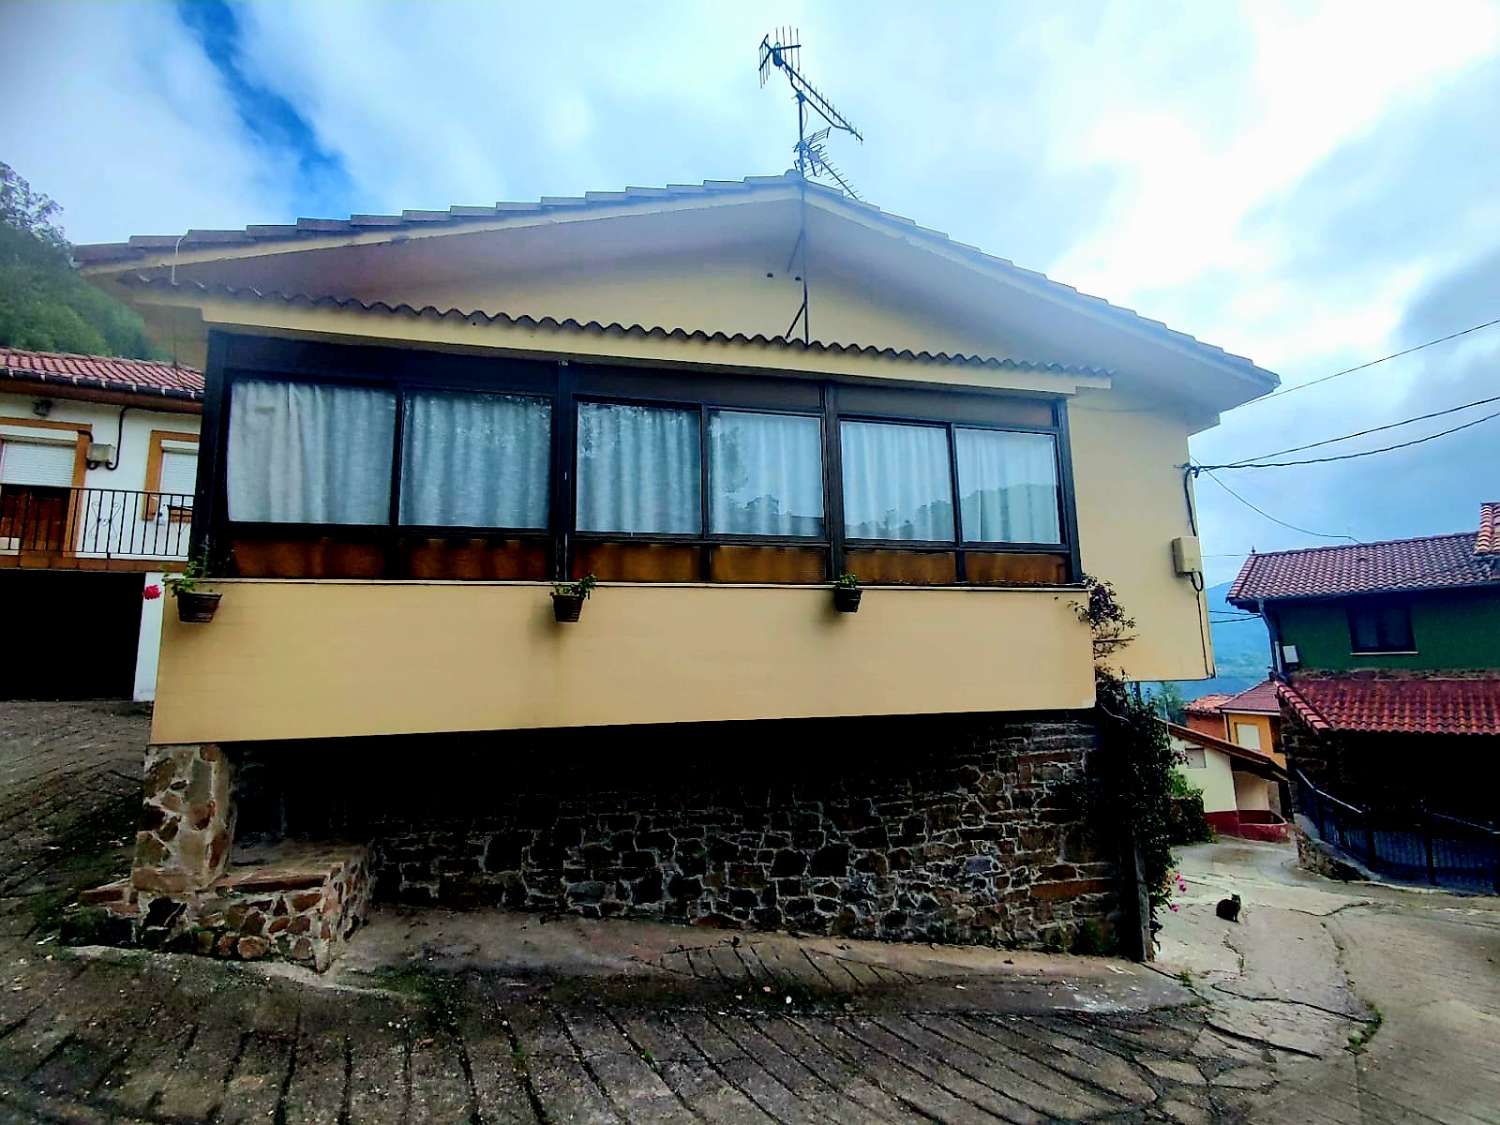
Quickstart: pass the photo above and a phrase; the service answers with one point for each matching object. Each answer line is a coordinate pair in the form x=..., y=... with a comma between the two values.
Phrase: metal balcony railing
x=1416, y=844
x=44, y=526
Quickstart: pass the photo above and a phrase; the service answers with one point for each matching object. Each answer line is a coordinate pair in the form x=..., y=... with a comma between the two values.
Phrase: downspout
x=1278, y=669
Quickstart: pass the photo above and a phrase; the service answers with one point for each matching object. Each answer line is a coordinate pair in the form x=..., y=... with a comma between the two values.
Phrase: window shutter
x=179, y=473
x=36, y=462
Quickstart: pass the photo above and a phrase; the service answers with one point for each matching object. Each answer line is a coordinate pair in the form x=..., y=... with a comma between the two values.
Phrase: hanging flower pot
x=846, y=594
x=197, y=606
x=568, y=598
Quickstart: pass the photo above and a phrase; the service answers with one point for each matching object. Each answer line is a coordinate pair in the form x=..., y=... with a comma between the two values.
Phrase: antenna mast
x=784, y=53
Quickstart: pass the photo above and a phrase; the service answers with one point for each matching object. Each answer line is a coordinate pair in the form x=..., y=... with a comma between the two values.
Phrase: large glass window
x=638, y=470
x=310, y=453
x=475, y=460
x=765, y=474
x=897, y=482
x=1007, y=486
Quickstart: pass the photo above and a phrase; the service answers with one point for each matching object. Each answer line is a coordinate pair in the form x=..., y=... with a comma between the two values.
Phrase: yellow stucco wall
x=1126, y=475
x=1260, y=722
x=292, y=659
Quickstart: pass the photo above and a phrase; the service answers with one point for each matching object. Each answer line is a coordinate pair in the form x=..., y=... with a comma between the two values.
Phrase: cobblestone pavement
x=424, y=1026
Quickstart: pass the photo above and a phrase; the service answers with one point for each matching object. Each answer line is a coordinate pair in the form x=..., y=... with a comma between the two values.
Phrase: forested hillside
x=44, y=304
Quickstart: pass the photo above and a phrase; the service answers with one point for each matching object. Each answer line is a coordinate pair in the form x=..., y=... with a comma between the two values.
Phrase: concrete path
x=508, y=1018
x=1406, y=981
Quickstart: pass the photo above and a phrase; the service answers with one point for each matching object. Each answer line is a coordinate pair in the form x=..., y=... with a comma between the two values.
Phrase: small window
x=1247, y=735
x=1194, y=758
x=1007, y=484
x=897, y=482
x=475, y=460
x=765, y=474
x=638, y=470
x=1381, y=629
x=308, y=453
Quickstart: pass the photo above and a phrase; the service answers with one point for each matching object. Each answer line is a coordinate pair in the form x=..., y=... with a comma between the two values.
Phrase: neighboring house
x=716, y=399
x=98, y=463
x=1241, y=787
x=1389, y=660
x=1251, y=718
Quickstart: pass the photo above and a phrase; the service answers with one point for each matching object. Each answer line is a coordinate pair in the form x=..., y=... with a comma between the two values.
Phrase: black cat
x=1229, y=908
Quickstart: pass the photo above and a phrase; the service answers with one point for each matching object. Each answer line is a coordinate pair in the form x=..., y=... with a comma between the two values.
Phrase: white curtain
x=1007, y=486
x=897, y=482
x=765, y=474
x=638, y=470
x=303, y=453
x=475, y=460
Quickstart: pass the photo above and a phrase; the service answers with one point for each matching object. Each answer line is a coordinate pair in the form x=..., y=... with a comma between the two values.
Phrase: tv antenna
x=784, y=53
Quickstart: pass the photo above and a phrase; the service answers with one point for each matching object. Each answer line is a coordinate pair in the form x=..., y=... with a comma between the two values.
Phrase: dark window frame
x=232, y=357
x=1386, y=643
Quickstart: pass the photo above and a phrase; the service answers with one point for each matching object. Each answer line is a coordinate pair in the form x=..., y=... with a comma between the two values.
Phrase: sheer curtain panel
x=638, y=470
x=475, y=460
x=1007, y=486
x=765, y=474
x=309, y=453
x=897, y=482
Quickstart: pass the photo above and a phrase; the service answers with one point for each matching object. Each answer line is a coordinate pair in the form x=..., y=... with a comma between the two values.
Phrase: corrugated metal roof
x=594, y=327
x=108, y=373
x=140, y=246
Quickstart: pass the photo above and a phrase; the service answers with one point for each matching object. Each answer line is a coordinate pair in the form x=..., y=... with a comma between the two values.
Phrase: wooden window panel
x=997, y=568
x=477, y=559
x=790, y=565
x=885, y=567
x=638, y=562
x=308, y=558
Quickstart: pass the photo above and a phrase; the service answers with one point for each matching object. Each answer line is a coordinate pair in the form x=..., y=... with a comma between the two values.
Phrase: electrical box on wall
x=100, y=453
x=1289, y=656
x=1187, y=556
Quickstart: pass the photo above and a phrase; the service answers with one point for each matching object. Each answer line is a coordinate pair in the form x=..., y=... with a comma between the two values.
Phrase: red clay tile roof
x=107, y=373
x=1434, y=562
x=1487, y=542
x=1208, y=704
x=1261, y=697
x=1411, y=704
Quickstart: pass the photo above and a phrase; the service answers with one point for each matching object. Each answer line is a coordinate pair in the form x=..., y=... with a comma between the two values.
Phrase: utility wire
x=1244, y=462
x=1346, y=456
x=1205, y=469
x=1374, y=362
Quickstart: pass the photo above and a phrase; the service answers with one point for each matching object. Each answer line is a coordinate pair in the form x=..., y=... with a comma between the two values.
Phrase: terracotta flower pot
x=197, y=606
x=846, y=600
x=567, y=607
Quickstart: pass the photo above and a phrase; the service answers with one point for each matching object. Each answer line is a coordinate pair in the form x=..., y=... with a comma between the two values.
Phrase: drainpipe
x=1278, y=670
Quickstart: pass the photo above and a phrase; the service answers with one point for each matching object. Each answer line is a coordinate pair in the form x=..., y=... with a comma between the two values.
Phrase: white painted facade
x=110, y=521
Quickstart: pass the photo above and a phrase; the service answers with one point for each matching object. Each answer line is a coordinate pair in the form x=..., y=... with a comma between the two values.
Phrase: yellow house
x=716, y=399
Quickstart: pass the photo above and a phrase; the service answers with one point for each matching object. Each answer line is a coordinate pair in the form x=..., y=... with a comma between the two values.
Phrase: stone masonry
x=187, y=819
x=952, y=828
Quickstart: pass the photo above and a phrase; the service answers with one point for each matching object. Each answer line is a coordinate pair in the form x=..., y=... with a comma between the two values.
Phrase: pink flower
x=151, y=592
x=1172, y=906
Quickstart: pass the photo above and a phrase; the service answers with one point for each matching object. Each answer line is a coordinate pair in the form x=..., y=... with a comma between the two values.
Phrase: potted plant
x=846, y=593
x=568, y=597
x=193, y=605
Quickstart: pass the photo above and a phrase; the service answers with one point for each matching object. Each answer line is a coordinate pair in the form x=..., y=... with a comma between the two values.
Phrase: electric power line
x=1374, y=362
x=1245, y=461
x=1195, y=469
x=1347, y=456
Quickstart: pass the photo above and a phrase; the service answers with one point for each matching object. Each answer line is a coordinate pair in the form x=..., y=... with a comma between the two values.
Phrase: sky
x=1313, y=185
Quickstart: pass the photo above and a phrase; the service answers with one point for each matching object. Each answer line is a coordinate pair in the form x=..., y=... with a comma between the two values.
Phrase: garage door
x=69, y=635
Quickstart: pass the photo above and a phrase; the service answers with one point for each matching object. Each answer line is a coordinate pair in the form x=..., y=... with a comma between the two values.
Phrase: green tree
x=1167, y=701
x=44, y=304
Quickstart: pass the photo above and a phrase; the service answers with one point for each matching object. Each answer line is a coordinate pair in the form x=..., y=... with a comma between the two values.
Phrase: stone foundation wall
x=962, y=829
x=296, y=902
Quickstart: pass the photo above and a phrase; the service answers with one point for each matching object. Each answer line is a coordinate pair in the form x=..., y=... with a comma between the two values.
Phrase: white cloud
x=114, y=111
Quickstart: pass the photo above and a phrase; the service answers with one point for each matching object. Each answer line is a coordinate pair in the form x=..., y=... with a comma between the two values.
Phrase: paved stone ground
x=471, y=1018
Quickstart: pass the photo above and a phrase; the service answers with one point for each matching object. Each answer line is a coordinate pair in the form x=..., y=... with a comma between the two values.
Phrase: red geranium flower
x=151, y=592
